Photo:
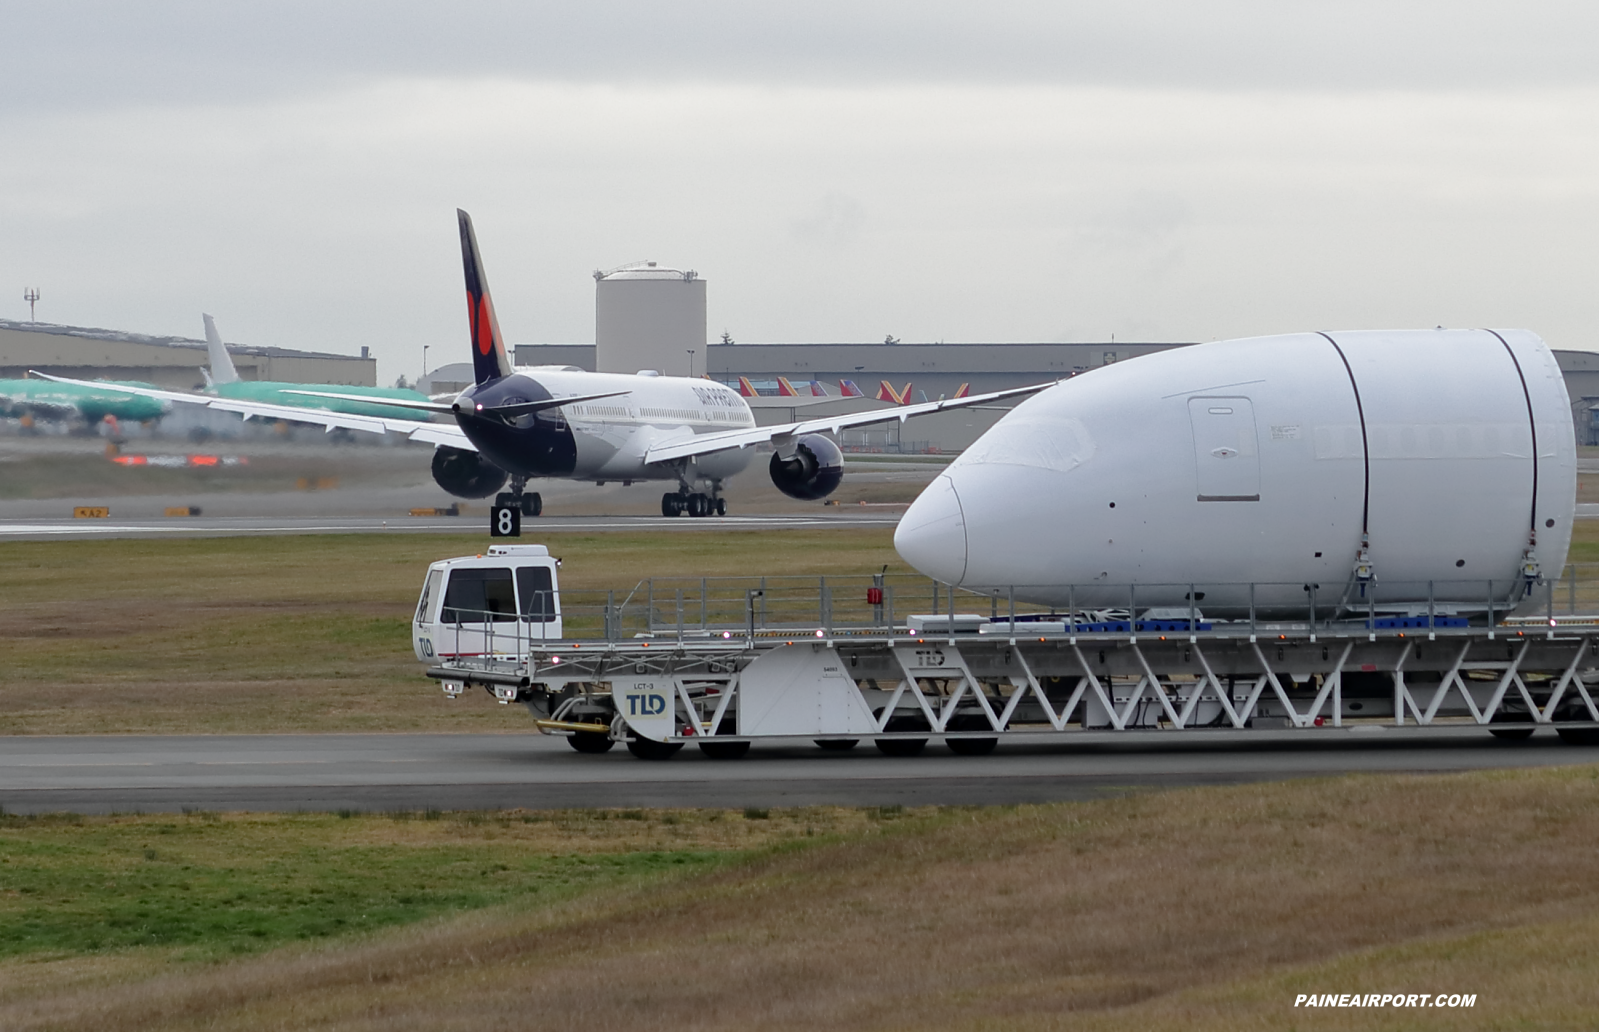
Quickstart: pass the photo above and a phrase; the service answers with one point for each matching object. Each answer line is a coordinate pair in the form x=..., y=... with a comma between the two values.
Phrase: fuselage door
x=1226, y=458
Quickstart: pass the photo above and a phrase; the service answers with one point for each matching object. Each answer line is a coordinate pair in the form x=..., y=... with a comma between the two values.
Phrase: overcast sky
x=836, y=171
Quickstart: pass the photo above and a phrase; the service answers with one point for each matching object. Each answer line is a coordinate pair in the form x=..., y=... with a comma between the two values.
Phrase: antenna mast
x=30, y=295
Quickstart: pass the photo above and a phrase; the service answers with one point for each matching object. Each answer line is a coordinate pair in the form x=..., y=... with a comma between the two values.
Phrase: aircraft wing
x=417, y=430
x=706, y=443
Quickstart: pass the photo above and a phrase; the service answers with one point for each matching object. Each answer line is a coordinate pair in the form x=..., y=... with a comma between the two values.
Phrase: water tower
x=647, y=317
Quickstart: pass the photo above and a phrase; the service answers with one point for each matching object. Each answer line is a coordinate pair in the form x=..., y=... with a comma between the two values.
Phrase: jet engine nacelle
x=1337, y=471
x=466, y=474
x=812, y=472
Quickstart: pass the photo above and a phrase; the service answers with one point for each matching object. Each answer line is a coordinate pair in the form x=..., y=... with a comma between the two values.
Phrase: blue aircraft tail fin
x=489, y=360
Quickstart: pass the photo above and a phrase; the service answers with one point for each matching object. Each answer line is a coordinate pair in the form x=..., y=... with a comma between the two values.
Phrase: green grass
x=211, y=886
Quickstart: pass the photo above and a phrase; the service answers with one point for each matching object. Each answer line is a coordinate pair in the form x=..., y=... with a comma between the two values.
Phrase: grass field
x=1206, y=909
x=248, y=634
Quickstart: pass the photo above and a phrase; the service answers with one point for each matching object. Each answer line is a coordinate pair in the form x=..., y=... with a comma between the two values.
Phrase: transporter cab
x=488, y=606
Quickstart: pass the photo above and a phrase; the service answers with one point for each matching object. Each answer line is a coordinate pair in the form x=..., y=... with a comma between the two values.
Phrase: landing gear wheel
x=673, y=504
x=646, y=749
x=1578, y=735
x=1511, y=734
x=721, y=507
x=696, y=505
x=838, y=744
x=532, y=504
x=590, y=741
x=724, y=750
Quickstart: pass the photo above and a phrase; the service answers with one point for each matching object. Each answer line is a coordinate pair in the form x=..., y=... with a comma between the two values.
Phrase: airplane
x=886, y=392
x=963, y=390
x=95, y=401
x=1411, y=468
x=847, y=389
x=747, y=389
x=223, y=381
x=819, y=390
x=786, y=389
x=562, y=422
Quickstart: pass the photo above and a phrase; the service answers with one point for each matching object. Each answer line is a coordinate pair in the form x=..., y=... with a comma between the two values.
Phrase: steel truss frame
x=1533, y=679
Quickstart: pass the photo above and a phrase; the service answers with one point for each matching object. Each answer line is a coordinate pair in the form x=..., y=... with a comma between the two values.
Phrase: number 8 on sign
x=505, y=521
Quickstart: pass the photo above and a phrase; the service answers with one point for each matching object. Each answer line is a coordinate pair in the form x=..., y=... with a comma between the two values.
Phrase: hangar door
x=1226, y=460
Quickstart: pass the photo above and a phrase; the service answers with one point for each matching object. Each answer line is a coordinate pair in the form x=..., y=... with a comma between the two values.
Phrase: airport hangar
x=170, y=362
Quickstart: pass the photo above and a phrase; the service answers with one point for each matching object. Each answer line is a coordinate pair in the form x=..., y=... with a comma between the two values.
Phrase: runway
x=205, y=526
x=103, y=774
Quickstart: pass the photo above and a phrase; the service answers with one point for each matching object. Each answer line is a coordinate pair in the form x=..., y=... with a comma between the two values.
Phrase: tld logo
x=646, y=705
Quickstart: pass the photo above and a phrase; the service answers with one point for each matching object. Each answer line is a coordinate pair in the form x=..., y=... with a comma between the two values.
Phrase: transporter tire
x=590, y=741
x=970, y=746
x=725, y=750
x=903, y=746
x=1578, y=735
x=646, y=749
x=837, y=744
x=1511, y=734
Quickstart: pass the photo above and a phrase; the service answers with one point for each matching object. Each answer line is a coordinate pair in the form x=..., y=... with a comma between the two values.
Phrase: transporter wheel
x=970, y=746
x=646, y=749
x=903, y=746
x=724, y=750
x=1511, y=734
x=838, y=744
x=1578, y=735
x=590, y=741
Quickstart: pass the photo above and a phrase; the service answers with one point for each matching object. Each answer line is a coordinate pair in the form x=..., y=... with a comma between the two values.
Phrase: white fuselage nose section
x=1265, y=461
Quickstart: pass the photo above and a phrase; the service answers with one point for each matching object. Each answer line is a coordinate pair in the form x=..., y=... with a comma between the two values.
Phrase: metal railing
x=760, y=608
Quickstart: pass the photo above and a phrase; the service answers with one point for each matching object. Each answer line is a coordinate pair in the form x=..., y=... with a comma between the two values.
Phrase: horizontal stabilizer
x=528, y=408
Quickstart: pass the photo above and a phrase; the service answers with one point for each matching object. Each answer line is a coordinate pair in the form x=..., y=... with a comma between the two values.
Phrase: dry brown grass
x=241, y=635
x=1208, y=908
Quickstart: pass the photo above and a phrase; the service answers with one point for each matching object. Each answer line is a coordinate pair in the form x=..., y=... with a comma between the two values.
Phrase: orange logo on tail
x=886, y=392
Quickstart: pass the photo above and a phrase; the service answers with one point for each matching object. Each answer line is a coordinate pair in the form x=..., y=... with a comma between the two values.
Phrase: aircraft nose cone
x=931, y=536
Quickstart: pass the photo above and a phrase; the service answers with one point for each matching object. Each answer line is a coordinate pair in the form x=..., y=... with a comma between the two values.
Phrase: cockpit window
x=479, y=596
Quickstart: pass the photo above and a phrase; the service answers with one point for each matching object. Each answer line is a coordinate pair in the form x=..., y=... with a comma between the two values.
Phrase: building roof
x=125, y=336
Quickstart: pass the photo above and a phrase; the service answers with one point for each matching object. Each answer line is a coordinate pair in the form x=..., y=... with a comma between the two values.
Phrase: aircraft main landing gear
x=530, y=503
x=695, y=504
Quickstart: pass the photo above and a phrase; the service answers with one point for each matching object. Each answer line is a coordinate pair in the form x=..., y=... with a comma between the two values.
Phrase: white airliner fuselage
x=1402, y=465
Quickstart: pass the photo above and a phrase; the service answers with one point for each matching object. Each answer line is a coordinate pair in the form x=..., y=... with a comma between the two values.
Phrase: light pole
x=424, y=363
x=690, y=361
x=30, y=295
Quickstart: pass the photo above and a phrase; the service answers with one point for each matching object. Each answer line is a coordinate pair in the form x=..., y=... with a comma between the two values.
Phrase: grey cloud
x=99, y=52
x=833, y=221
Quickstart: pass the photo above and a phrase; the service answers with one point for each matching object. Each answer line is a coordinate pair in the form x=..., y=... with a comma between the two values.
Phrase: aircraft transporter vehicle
x=564, y=422
x=725, y=663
